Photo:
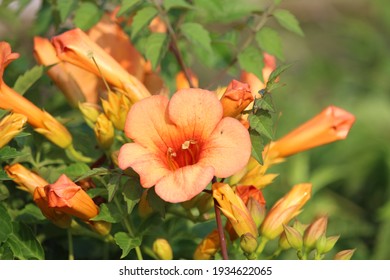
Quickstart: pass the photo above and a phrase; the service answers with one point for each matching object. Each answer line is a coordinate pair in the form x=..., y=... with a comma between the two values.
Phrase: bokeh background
x=343, y=60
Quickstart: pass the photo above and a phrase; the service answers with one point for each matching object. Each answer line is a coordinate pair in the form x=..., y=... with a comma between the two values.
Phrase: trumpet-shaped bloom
x=74, y=46
x=330, y=125
x=42, y=121
x=286, y=208
x=180, y=144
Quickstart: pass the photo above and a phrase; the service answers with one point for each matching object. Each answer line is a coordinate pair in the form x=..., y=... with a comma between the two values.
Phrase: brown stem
x=173, y=45
x=221, y=232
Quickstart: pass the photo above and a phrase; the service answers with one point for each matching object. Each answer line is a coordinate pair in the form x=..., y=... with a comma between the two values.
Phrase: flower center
x=187, y=154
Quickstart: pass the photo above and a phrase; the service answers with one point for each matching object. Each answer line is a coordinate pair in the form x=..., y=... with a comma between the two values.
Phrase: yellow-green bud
x=104, y=131
x=256, y=210
x=344, y=255
x=90, y=112
x=283, y=242
x=162, y=249
x=248, y=243
x=314, y=232
x=330, y=242
x=293, y=237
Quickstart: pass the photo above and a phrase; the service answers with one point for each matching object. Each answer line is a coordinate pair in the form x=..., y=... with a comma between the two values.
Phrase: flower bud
x=329, y=244
x=104, y=132
x=344, y=255
x=162, y=249
x=293, y=236
x=314, y=232
x=10, y=126
x=256, y=210
x=248, y=243
x=116, y=107
x=236, y=98
x=101, y=227
x=208, y=247
x=283, y=242
x=90, y=112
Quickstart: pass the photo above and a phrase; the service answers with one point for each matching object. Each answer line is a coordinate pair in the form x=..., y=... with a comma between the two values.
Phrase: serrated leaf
x=169, y=4
x=65, y=7
x=142, y=18
x=128, y=6
x=262, y=123
x=26, y=80
x=126, y=242
x=132, y=192
x=257, y=145
x=87, y=15
x=5, y=224
x=109, y=213
x=251, y=60
x=23, y=243
x=265, y=103
x=197, y=34
x=272, y=81
x=8, y=152
x=156, y=47
x=94, y=172
x=288, y=21
x=270, y=41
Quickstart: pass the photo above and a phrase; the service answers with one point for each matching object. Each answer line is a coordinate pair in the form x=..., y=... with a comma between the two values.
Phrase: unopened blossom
x=77, y=84
x=67, y=197
x=208, y=247
x=116, y=107
x=182, y=143
x=104, y=131
x=332, y=124
x=162, y=249
x=236, y=98
x=91, y=112
x=344, y=255
x=285, y=209
x=234, y=209
x=74, y=46
x=43, y=122
x=314, y=231
x=10, y=126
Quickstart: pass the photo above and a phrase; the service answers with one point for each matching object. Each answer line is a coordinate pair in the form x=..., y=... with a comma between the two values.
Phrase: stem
x=220, y=230
x=246, y=43
x=262, y=244
x=174, y=46
x=70, y=245
x=128, y=228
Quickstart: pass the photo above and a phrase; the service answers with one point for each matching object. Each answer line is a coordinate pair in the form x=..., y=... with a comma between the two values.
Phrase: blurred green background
x=343, y=60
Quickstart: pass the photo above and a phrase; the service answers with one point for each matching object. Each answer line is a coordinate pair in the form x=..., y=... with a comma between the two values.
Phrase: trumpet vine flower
x=182, y=143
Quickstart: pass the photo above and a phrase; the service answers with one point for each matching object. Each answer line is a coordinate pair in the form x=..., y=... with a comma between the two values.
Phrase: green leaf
x=6, y=252
x=156, y=47
x=5, y=224
x=23, y=243
x=257, y=145
x=288, y=21
x=128, y=6
x=109, y=213
x=277, y=2
x=65, y=8
x=75, y=170
x=156, y=202
x=87, y=15
x=197, y=35
x=170, y=4
x=142, y=18
x=265, y=103
x=4, y=176
x=272, y=81
x=94, y=172
x=30, y=214
x=262, y=123
x=26, y=80
x=8, y=152
x=126, y=243
x=112, y=186
x=4, y=192
x=270, y=41
x=132, y=192
x=251, y=60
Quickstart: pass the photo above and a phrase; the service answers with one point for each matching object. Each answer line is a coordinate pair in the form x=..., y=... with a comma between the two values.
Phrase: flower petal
x=184, y=183
x=196, y=112
x=228, y=149
x=147, y=125
x=148, y=165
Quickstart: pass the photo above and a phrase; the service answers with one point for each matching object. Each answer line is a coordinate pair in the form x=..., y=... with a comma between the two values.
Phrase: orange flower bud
x=162, y=249
x=42, y=121
x=314, y=232
x=344, y=255
x=104, y=131
x=182, y=82
x=284, y=210
x=234, y=209
x=236, y=98
x=116, y=107
x=58, y=218
x=10, y=126
x=26, y=179
x=330, y=125
x=208, y=247
x=67, y=197
x=74, y=46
